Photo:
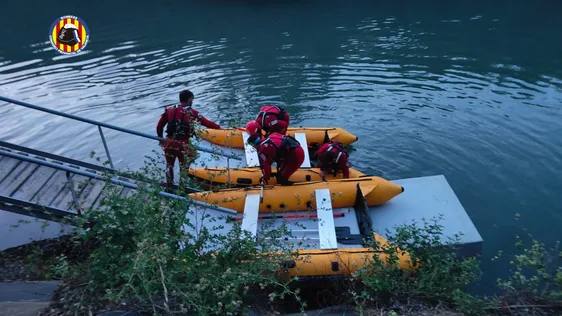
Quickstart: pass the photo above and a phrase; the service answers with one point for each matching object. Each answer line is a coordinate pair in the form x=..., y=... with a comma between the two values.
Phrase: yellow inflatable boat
x=340, y=262
x=301, y=196
x=251, y=176
x=232, y=137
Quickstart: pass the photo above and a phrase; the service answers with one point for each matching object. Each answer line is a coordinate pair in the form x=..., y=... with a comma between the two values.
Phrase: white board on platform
x=326, y=227
x=251, y=211
x=301, y=137
x=252, y=159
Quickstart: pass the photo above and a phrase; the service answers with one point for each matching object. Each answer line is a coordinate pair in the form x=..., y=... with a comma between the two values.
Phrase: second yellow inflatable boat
x=251, y=176
x=301, y=196
x=343, y=261
x=232, y=137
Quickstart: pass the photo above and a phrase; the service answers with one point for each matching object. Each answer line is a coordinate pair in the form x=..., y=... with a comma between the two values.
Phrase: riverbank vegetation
x=137, y=253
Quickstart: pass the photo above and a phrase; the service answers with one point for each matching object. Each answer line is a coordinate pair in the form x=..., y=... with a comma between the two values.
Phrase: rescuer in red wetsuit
x=332, y=157
x=273, y=118
x=180, y=121
x=275, y=147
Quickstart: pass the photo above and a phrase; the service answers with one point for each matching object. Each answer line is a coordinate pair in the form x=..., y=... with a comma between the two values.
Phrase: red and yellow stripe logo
x=69, y=34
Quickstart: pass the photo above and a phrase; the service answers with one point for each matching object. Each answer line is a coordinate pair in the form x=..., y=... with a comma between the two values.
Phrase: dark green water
x=472, y=91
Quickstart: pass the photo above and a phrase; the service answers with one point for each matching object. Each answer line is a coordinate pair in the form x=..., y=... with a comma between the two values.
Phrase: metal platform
x=426, y=198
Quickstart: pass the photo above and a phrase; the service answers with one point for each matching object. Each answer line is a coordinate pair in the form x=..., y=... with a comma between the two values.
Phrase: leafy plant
x=141, y=257
x=535, y=282
x=438, y=274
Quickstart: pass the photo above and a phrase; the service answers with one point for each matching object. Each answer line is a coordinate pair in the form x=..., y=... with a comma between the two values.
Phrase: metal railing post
x=106, y=149
x=75, y=200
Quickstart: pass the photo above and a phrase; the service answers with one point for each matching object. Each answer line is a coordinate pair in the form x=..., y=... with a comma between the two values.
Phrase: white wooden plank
x=252, y=159
x=326, y=227
x=251, y=210
x=301, y=137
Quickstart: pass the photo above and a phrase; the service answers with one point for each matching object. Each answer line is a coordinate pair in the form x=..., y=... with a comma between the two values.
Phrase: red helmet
x=253, y=127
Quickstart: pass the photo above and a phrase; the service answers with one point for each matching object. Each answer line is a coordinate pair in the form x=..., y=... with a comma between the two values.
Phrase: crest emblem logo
x=69, y=34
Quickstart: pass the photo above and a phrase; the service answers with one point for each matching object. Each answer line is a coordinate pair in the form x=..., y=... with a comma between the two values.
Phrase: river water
x=472, y=91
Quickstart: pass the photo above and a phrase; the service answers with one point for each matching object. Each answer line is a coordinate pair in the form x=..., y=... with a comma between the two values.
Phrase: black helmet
x=69, y=34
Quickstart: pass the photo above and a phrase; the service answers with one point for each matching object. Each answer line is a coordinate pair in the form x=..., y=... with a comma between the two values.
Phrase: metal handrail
x=30, y=209
x=109, y=126
x=50, y=156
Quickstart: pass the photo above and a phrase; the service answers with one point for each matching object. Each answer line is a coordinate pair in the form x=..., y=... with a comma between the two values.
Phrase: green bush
x=439, y=276
x=139, y=258
x=535, y=282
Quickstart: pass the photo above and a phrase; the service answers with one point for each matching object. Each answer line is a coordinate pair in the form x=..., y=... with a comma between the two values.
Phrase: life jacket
x=270, y=115
x=337, y=151
x=284, y=144
x=332, y=157
x=179, y=122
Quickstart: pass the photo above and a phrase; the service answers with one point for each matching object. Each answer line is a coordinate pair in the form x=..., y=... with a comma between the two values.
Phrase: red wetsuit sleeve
x=204, y=121
x=161, y=123
x=207, y=123
x=266, y=154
